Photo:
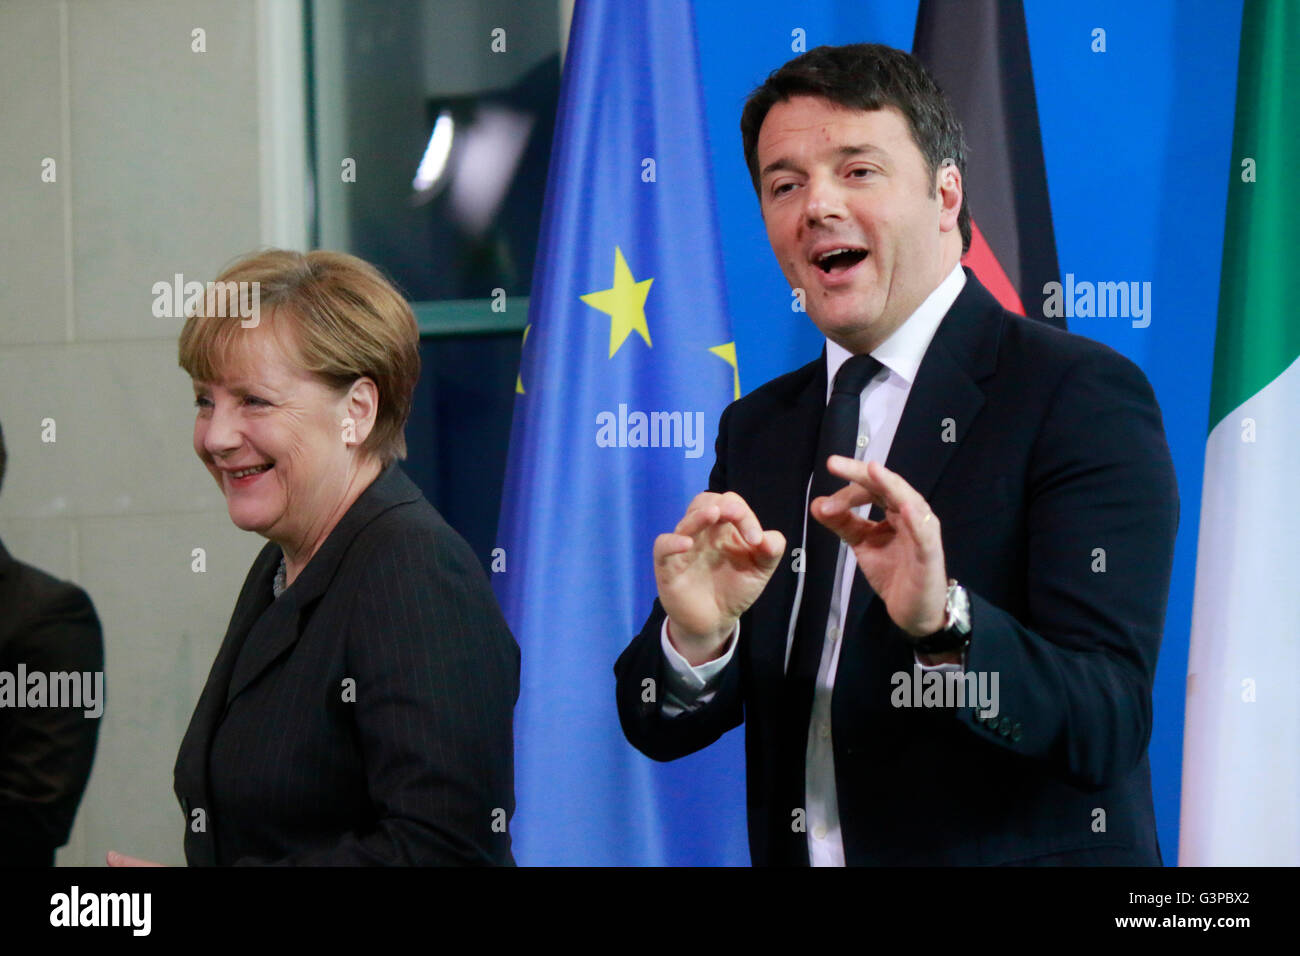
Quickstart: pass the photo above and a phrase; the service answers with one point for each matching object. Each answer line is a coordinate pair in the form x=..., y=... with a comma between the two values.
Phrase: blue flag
x=628, y=362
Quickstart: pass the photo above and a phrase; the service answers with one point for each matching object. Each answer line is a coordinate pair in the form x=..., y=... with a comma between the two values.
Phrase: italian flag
x=1241, y=743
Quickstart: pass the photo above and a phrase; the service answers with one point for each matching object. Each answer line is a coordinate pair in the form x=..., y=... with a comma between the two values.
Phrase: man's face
x=853, y=217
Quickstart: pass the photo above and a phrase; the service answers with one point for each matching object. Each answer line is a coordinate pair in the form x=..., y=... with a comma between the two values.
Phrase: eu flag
x=628, y=363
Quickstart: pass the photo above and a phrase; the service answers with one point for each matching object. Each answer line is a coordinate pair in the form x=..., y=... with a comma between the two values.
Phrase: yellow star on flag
x=727, y=352
x=624, y=303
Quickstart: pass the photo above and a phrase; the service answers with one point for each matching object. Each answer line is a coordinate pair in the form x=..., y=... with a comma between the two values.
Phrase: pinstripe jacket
x=365, y=715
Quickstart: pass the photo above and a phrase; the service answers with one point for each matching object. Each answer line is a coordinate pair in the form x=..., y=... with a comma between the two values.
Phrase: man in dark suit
x=1018, y=547
x=47, y=626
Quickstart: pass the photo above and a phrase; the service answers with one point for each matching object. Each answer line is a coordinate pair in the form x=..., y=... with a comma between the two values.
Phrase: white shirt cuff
x=691, y=686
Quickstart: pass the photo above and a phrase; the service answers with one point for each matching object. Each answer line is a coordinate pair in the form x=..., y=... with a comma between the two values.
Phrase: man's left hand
x=901, y=555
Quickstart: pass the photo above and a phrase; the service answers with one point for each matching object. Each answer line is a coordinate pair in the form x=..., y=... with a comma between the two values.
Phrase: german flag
x=978, y=53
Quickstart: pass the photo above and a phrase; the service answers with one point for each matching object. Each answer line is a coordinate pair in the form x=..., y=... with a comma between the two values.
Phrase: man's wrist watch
x=955, y=635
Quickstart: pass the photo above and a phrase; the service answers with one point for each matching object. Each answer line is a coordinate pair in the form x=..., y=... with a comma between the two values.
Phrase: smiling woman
x=300, y=412
x=360, y=708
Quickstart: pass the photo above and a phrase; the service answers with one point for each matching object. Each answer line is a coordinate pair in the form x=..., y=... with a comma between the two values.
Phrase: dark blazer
x=47, y=625
x=1058, y=451
x=365, y=715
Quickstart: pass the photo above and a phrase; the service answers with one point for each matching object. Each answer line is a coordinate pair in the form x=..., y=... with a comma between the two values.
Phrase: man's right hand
x=710, y=570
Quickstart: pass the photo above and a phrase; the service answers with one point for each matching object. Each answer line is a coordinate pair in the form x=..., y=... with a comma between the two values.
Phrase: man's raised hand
x=710, y=569
x=901, y=555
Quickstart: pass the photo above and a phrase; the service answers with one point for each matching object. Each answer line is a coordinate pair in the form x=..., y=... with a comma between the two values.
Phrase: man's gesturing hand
x=901, y=555
x=710, y=569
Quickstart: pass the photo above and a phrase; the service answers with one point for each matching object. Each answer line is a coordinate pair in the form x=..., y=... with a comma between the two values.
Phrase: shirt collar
x=902, y=352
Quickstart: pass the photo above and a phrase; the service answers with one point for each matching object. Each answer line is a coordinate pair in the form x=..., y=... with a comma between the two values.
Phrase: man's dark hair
x=866, y=76
x=4, y=458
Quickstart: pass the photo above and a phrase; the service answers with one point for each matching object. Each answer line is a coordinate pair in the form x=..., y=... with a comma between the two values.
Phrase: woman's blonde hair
x=343, y=320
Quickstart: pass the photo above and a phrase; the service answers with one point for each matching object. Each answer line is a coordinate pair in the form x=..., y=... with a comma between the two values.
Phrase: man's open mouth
x=840, y=259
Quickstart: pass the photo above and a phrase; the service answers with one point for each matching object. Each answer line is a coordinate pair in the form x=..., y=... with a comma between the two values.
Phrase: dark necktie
x=838, y=436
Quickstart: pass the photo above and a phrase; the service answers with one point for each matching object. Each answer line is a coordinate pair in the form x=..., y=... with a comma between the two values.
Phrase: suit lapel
x=254, y=599
x=279, y=628
x=273, y=633
x=191, y=772
x=788, y=440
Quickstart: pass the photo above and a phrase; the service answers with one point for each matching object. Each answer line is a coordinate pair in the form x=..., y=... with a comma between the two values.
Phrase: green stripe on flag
x=1259, y=301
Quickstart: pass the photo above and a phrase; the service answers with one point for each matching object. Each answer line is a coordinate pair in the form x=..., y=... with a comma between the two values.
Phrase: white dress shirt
x=879, y=411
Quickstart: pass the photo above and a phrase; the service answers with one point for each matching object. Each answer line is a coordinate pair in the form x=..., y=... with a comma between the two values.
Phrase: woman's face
x=275, y=439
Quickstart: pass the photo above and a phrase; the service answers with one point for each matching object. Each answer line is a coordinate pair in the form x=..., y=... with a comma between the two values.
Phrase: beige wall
x=168, y=161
